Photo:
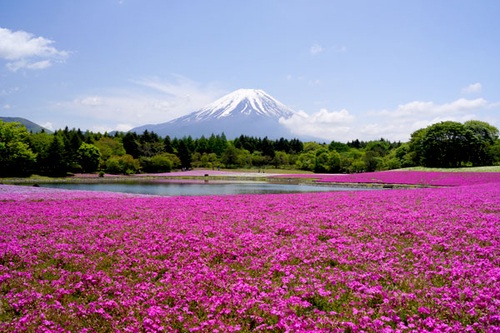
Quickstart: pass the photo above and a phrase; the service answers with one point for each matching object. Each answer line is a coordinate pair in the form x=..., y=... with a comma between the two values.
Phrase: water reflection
x=195, y=188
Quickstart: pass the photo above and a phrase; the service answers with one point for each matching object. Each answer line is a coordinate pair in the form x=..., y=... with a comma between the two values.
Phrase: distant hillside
x=30, y=126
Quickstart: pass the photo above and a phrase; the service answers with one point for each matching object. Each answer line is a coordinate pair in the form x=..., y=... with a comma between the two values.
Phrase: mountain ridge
x=30, y=126
x=250, y=112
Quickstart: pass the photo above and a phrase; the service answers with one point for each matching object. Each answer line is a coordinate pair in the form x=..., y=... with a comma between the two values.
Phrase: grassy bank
x=270, y=170
x=494, y=168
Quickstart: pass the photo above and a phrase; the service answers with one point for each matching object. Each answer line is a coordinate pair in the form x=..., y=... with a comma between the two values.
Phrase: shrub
x=125, y=164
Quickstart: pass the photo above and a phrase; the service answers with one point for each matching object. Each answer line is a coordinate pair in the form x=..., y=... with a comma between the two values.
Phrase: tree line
x=446, y=144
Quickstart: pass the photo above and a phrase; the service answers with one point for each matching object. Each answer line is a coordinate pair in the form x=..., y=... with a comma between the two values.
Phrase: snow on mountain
x=243, y=101
x=250, y=112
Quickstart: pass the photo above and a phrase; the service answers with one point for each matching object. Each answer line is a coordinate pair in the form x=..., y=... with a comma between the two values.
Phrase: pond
x=195, y=188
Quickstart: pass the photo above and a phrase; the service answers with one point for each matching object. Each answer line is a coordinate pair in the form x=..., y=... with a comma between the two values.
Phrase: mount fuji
x=249, y=112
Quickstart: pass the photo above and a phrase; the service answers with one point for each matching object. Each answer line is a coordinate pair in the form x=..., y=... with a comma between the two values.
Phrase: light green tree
x=125, y=164
x=16, y=157
x=88, y=157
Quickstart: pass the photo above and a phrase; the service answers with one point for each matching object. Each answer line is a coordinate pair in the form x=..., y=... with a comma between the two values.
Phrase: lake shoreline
x=257, y=178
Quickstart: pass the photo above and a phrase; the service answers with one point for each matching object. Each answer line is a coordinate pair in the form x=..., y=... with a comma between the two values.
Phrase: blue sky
x=351, y=69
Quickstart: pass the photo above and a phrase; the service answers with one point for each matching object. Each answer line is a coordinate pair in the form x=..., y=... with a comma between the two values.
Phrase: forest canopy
x=445, y=144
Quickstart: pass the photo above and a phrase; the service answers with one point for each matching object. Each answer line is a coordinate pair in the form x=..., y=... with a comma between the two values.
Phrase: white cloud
x=5, y=92
x=39, y=64
x=472, y=89
x=149, y=101
x=105, y=128
x=91, y=101
x=418, y=108
x=25, y=50
x=493, y=105
x=6, y=107
x=316, y=49
x=15, y=66
x=48, y=125
x=124, y=127
x=101, y=129
x=398, y=124
x=395, y=124
x=108, y=129
x=322, y=124
x=314, y=82
x=289, y=77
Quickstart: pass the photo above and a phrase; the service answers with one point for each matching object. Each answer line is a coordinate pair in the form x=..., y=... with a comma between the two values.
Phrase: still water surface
x=198, y=188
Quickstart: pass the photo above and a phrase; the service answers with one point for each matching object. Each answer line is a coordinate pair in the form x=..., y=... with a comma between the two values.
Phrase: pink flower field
x=422, y=260
x=409, y=178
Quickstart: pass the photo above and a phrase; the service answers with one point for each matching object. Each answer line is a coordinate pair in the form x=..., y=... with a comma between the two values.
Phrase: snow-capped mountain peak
x=245, y=111
x=243, y=102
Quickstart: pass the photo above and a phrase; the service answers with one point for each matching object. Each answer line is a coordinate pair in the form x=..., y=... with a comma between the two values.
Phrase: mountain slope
x=30, y=126
x=245, y=111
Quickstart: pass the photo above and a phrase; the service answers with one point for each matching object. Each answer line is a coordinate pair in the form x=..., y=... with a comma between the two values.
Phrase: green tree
x=334, y=162
x=345, y=163
x=184, y=155
x=358, y=165
x=217, y=144
x=208, y=160
x=167, y=143
x=244, y=158
x=161, y=163
x=16, y=157
x=403, y=155
x=72, y=144
x=152, y=148
x=124, y=164
x=447, y=144
x=109, y=147
x=380, y=147
x=306, y=161
x=392, y=163
x=56, y=163
x=230, y=156
x=267, y=147
x=202, y=145
x=296, y=146
x=485, y=136
x=196, y=160
x=282, y=145
x=257, y=159
x=372, y=161
x=131, y=144
x=321, y=161
x=280, y=159
x=338, y=146
x=190, y=143
x=39, y=144
x=416, y=146
x=88, y=157
x=311, y=146
x=495, y=152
